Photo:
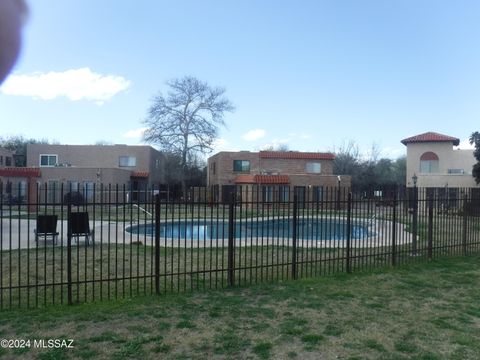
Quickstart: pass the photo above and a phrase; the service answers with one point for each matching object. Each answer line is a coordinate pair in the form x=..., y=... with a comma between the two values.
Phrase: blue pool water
x=206, y=230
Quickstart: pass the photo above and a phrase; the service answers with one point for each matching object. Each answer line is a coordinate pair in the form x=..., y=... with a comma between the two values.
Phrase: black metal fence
x=106, y=242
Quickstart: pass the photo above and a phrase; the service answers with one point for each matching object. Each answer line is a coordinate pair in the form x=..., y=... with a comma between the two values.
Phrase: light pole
x=415, y=215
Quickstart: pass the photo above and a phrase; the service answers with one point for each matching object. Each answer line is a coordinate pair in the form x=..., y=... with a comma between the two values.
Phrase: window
x=239, y=193
x=127, y=161
x=48, y=160
x=213, y=168
x=456, y=171
x=268, y=192
x=73, y=186
x=313, y=167
x=8, y=161
x=283, y=193
x=241, y=165
x=1, y=160
x=429, y=163
x=88, y=190
x=22, y=189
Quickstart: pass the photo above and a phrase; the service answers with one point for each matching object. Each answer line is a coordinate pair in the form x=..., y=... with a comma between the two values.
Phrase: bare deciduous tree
x=374, y=153
x=278, y=147
x=185, y=121
x=369, y=171
x=347, y=158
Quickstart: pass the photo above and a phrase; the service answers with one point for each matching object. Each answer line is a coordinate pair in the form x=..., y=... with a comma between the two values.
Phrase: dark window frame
x=48, y=157
x=243, y=167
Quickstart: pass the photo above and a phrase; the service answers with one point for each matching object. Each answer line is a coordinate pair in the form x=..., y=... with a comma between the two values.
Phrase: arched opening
x=429, y=163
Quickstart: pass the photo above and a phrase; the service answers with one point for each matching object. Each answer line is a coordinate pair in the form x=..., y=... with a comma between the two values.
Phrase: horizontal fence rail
x=73, y=244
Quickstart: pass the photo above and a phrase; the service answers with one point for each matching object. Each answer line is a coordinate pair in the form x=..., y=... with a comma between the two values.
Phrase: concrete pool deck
x=19, y=234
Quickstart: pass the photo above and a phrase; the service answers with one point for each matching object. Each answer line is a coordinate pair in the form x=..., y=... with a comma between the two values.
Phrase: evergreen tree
x=475, y=140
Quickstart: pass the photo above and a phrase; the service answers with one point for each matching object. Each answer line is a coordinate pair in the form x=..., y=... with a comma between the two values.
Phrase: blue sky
x=309, y=74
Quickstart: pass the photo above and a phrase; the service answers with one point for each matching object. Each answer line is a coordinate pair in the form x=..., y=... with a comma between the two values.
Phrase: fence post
x=339, y=193
x=349, y=232
x=294, y=236
x=69, y=254
x=430, y=226
x=394, y=227
x=464, y=227
x=231, y=241
x=415, y=220
x=157, y=244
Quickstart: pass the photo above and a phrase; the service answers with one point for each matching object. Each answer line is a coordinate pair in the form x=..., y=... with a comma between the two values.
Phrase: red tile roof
x=262, y=179
x=20, y=172
x=272, y=179
x=140, y=174
x=245, y=179
x=431, y=137
x=296, y=155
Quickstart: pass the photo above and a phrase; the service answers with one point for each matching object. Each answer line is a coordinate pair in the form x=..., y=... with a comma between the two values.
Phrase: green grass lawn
x=423, y=311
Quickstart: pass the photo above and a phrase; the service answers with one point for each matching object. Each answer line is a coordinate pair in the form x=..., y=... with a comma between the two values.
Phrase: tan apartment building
x=82, y=167
x=272, y=175
x=431, y=157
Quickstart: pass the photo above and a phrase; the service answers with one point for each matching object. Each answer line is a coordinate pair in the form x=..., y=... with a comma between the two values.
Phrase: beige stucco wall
x=94, y=157
x=85, y=174
x=449, y=158
x=104, y=156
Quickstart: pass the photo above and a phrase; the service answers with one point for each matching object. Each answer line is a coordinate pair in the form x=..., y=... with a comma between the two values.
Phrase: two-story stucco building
x=431, y=157
x=272, y=175
x=445, y=172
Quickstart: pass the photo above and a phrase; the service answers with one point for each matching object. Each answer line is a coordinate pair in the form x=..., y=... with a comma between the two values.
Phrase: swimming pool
x=311, y=229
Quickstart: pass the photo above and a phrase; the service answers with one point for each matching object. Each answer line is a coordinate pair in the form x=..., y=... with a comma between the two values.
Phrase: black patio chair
x=46, y=227
x=80, y=226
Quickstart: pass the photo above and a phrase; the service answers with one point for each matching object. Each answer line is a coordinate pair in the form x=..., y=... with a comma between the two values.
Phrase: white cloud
x=222, y=144
x=135, y=133
x=254, y=134
x=465, y=145
x=74, y=84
